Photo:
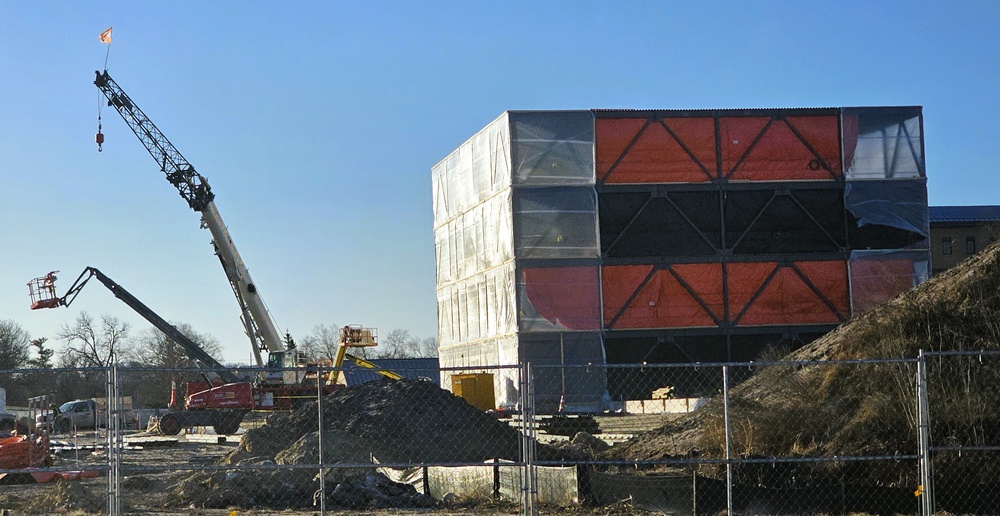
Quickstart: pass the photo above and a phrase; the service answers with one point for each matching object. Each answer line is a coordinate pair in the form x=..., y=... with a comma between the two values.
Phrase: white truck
x=7, y=419
x=70, y=415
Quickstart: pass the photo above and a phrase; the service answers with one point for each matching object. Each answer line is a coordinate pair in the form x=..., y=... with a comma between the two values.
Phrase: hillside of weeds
x=813, y=406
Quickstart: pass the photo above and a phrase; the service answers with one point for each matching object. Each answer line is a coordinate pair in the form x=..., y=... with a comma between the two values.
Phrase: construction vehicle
x=286, y=365
x=194, y=188
x=221, y=403
x=7, y=419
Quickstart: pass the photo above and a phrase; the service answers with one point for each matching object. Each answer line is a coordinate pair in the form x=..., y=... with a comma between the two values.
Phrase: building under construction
x=660, y=236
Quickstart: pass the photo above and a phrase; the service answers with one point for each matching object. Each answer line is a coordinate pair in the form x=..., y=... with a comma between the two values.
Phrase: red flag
x=105, y=36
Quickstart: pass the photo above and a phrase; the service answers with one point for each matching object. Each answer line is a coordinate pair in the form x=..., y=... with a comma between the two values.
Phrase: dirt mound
x=393, y=421
x=396, y=421
x=65, y=497
x=854, y=410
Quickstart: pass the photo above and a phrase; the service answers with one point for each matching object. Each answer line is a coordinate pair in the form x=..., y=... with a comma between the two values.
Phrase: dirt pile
x=857, y=410
x=65, y=497
x=396, y=421
x=404, y=421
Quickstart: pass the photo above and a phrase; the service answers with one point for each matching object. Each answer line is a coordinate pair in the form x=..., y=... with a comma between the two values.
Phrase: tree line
x=90, y=345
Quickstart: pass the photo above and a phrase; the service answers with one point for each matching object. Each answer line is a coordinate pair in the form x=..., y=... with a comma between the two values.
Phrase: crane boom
x=191, y=348
x=194, y=188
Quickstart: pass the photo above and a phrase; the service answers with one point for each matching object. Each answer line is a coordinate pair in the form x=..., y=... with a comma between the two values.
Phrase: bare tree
x=14, y=345
x=322, y=342
x=395, y=345
x=428, y=347
x=91, y=345
x=152, y=347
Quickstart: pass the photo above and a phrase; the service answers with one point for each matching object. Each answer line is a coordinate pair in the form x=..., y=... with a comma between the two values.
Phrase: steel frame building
x=629, y=236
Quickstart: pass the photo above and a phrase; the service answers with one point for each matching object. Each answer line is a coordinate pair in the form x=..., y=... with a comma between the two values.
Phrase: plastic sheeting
x=888, y=214
x=478, y=307
x=883, y=143
x=580, y=386
x=559, y=298
x=522, y=188
x=552, y=148
x=877, y=276
x=555, y=222
x=473, y=243
x=474, y=172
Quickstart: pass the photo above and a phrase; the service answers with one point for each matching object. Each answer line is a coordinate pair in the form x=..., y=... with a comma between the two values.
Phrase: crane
x=194, y=188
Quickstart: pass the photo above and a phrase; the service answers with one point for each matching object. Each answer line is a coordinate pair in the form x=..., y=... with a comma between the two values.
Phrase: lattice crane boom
x=194, y=188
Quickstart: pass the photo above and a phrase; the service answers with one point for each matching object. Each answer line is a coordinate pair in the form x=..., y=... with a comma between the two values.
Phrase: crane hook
x=99, y=138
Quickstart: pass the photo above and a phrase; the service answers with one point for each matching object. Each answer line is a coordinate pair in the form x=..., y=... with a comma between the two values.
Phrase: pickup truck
x=72, y=414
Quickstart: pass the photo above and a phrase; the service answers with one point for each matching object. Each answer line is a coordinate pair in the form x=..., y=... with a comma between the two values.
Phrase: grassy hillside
x=824, y=410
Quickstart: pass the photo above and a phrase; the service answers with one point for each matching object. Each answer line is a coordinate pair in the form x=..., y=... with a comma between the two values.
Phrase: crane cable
x=105, y=37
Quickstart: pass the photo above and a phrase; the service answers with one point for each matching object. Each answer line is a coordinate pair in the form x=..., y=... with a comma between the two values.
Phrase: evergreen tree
x=43, y=355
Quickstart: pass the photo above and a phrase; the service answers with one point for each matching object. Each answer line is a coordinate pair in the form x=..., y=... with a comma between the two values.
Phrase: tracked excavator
x=225, y=398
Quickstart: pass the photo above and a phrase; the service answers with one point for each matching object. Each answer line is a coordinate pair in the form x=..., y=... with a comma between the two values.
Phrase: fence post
x=528, y=439
x=319, y=429
x=694, y=491
x=926, y=490
x=112, y=436
x=729, y=440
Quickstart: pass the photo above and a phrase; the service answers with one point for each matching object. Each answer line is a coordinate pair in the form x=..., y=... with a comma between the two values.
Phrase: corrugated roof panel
x=410, y=368
x=964, y=214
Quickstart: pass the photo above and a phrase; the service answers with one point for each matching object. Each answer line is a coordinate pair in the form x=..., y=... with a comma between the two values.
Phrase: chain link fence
x=868, y=436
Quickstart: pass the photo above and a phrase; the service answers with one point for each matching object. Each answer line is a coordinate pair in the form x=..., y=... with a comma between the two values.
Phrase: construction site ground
x=265, y=469
x=148, y=493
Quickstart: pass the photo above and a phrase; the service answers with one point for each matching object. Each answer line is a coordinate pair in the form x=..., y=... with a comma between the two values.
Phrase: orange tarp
x=642, y=150
x=762, y=149
x=663, y=301
x=565, y=296
x=691, y=295
x=18, y=452
x=786, y=298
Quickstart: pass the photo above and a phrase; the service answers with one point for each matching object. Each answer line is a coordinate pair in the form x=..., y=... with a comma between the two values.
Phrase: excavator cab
x=43, y=291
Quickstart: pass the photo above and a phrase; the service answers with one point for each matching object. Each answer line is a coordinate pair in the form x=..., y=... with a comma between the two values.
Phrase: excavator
x=226, y=398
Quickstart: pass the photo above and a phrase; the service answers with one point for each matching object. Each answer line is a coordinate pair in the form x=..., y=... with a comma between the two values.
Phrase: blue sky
x=317, y=124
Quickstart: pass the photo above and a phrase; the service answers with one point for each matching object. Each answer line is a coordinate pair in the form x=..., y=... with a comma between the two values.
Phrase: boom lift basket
x=355, y=336
x=43, y=291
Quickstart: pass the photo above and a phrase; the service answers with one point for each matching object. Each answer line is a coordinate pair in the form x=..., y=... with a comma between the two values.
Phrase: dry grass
x=824, y=410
